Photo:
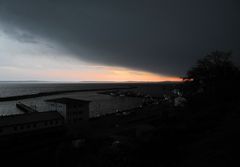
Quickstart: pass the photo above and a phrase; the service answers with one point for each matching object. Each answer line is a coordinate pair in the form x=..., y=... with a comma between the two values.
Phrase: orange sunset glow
x=105, y=73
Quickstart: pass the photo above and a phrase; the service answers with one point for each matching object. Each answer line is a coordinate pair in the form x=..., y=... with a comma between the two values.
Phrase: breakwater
x=41, y=94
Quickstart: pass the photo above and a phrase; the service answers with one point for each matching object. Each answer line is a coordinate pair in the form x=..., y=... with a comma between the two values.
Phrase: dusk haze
x=116, y=83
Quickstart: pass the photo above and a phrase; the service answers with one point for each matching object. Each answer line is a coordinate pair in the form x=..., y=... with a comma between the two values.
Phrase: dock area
x=26, y=109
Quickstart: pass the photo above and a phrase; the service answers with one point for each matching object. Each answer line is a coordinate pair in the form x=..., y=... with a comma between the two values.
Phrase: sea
x=101, y=104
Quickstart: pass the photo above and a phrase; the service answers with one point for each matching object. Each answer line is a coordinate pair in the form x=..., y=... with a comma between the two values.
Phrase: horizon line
x=62, y=81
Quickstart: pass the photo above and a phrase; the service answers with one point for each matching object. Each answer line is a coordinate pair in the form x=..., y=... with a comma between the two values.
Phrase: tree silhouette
x=215, y=75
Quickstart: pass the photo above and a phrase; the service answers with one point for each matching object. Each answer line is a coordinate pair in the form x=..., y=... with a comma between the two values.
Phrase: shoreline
x=41, y=94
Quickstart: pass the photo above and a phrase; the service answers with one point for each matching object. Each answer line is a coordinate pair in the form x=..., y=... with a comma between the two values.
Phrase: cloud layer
x=161, y=36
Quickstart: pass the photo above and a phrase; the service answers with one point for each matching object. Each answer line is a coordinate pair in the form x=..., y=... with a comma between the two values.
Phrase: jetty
x=41, y=94
x=25, y=108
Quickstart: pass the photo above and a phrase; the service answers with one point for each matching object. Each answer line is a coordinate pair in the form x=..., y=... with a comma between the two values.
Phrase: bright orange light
x=106, y=73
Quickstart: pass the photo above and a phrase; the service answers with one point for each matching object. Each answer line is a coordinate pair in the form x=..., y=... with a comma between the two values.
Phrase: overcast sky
x=151, y=37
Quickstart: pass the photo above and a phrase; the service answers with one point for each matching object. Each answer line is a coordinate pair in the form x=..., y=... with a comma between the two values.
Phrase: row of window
x=28, y=126
x=33, y=125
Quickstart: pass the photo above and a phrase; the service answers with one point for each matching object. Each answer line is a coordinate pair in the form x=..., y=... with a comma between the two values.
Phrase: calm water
x=101, y=104
x=21, y=88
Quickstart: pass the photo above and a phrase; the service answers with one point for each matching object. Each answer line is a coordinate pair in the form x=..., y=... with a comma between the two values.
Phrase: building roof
x=66, y=100
x=18, y=119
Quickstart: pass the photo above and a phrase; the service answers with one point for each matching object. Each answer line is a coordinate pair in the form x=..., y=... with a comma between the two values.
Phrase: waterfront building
x=72, y=110
x=15, y=124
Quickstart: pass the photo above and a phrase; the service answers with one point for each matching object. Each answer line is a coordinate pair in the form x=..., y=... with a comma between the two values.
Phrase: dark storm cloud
x=163, y=36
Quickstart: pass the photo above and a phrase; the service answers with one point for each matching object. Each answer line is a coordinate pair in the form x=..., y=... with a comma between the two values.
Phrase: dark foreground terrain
x=206, y=135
